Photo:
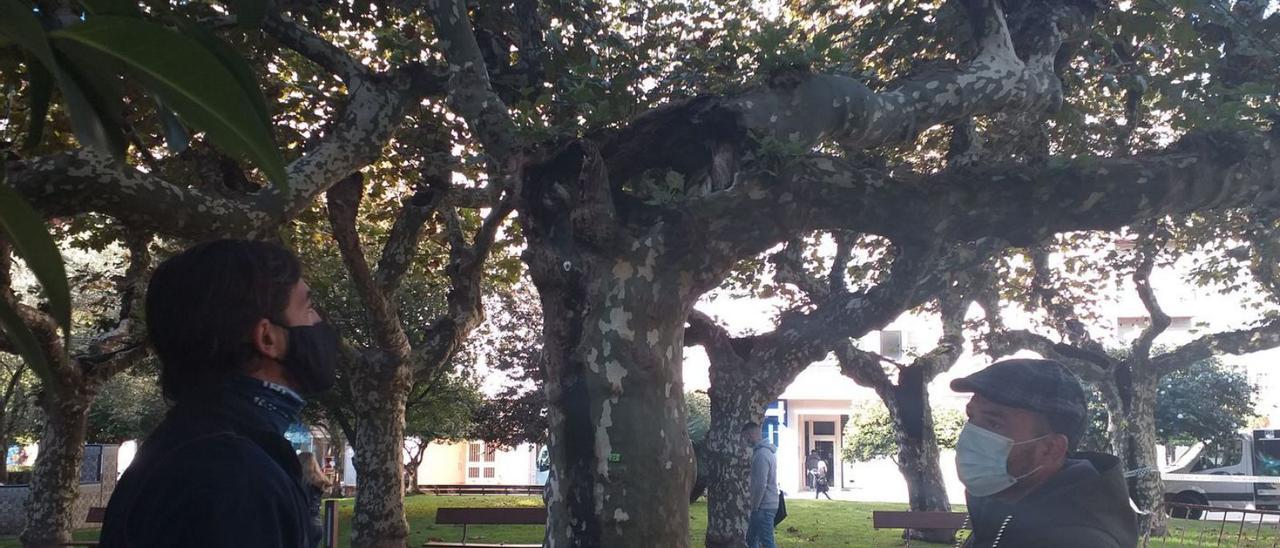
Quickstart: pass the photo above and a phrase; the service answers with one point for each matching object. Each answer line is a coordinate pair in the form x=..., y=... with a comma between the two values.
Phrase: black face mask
x=312, y=357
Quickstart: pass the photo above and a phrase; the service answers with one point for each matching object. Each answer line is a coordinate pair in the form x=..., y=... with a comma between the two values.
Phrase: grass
x=810, y=523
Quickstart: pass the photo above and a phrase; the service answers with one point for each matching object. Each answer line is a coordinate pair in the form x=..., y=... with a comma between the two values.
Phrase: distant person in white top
x=821, y=486
x=762, y=497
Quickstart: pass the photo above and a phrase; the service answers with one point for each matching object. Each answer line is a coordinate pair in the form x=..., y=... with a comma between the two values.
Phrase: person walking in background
x=762, y=497
x=811, y=470
x=821, y=485
x=315, y=484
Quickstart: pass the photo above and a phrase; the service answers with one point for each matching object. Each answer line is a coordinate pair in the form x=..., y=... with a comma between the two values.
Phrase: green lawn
x=811, y=524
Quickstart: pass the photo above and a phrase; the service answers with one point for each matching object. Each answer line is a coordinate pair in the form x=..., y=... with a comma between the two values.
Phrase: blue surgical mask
x=982, y=460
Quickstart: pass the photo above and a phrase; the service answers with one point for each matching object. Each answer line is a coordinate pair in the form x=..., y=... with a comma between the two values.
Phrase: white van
x=1202, y=475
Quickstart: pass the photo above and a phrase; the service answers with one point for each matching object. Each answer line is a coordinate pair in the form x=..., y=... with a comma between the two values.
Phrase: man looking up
x=239, y=343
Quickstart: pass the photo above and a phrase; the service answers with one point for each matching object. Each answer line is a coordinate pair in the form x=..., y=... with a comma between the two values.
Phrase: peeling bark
x=55, y=479
x=378, y=520
x=622, y=464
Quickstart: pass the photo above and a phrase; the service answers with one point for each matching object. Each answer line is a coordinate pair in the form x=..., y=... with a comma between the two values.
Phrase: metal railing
x=1198, y=525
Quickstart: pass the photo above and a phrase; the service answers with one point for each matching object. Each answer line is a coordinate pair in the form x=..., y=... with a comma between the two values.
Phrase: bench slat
x=96, y=514
x=492, y=516
x=474, y=545
x=917, y=520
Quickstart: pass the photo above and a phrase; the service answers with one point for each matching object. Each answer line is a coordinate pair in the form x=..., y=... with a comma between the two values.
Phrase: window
x=1129, y=327
x=824, y=428
x=771, y=429
x=1219, y=456
x=891, y=344
x=481, y=462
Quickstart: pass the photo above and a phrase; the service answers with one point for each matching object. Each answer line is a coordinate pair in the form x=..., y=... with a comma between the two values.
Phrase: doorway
x=821, y=440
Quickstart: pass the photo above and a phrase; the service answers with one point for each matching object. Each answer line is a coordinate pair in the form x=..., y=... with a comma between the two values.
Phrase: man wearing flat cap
x=1024, y=485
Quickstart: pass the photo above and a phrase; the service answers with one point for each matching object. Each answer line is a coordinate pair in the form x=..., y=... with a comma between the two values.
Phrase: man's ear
x=267, y=339
x=1058, y=446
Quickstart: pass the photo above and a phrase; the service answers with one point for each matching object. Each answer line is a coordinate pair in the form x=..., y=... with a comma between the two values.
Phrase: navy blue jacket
x=213, y=474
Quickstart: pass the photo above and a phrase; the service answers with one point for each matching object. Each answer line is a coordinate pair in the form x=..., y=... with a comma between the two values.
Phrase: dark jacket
x=212, y=474
x=1086, y=504
x=315, y=497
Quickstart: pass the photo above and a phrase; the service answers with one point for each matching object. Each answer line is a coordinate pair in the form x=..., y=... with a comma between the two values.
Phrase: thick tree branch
x=725, y=352
x=124, y=345
x=1062, y=312
x=953, y=304
x=804, y=109
x=840, y=262
x=1261, y=337
x=863, y=367
x=821, y=107
x=788, y=265
x=83, y=181
x=406, y=234
x=1148, y=247
x=316, y=49
x=344, y=205
x=465, y=269
x=803, y=338
x=1203, y=171
x=1091, y=366
x=470, y=92
x=593, y=217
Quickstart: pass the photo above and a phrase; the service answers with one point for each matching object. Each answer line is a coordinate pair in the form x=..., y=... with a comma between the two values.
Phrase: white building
x=468, y=463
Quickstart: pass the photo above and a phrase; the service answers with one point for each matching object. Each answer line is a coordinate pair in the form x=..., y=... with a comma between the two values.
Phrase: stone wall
x=97, y=493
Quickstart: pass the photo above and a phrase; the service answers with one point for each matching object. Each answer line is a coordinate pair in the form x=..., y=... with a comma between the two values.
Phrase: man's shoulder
x=201, y=450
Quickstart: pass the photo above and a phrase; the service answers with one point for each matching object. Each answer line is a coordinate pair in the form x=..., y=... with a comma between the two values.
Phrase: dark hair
x=750, y=425
x=1070, y=426
x=202, y=305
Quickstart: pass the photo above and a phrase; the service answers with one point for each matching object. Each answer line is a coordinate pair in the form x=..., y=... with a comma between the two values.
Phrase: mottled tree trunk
x=728, y=463
x=55, y=479
x=918, y=457
x=1146, y=489
x=411, y=468
x=379, y=444
x=4, y=445
x=622, y=464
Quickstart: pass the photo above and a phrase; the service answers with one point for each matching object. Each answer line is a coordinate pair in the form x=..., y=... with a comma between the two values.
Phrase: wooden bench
x=918, y=520
x=453, y=489
x=95, y=516
x=489, y=516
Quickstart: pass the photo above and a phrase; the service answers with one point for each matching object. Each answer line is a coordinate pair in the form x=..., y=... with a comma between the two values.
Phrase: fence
x=1197, y=525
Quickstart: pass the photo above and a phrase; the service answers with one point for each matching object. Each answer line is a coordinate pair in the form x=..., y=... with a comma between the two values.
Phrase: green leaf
x=26, y=232
x=112, y=7
x=234, y=62
x=190, y=79
x=18, y=24
x=98, y=78
x=23, y=340
x=40, y=91
x=250, y=13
